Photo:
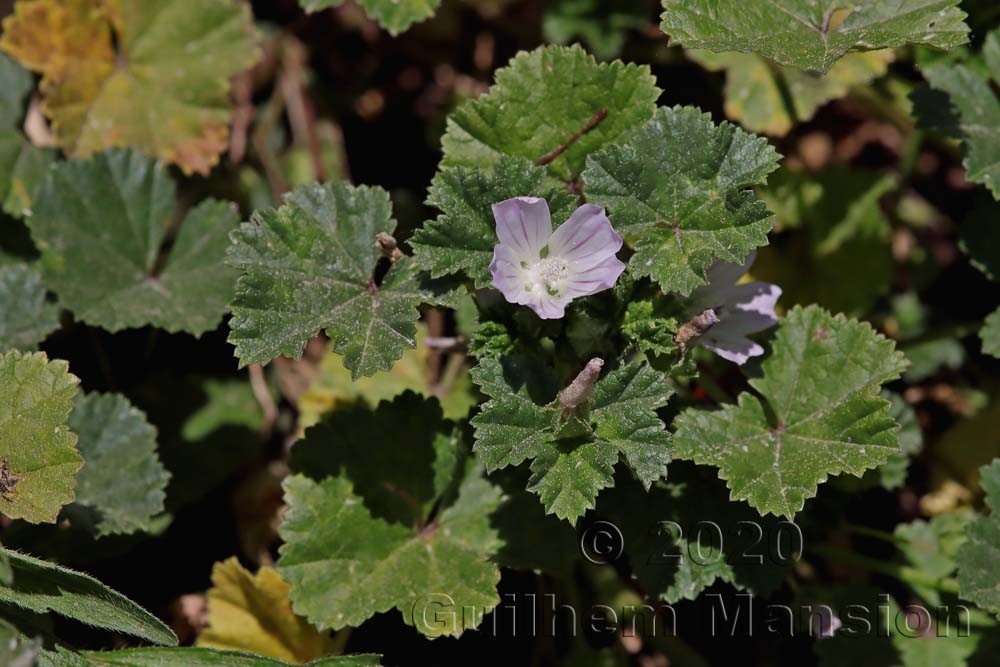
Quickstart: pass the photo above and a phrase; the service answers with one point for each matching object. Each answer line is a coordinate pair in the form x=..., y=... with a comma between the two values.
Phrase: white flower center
x=547, y=275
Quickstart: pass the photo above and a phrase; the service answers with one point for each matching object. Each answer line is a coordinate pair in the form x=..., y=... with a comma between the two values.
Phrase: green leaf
x=684, y=535
x=311, y=265
x=812, y=36
x=572, y=455
x=396, y=16
x=23, y=168
x=541, y=101
x=568, y=477
x=876, y=632
x=532, y=540
x=818, y=414
x=768, y=98
x=124, y=73
x=979, y=112
x=398, y=488
x=16, y=650
x=208, y=428
x=22, y=165
x=101, y=225
x=38, y=455
x=931, y=547
x=41, y=587
x=603, y=25
x=463, y=236
x=836, y=250
x=333, y=386
x=404, y=516
x=929, y=356
x=892, y=475
x=356, y=565
x=979, y=238
x=990, y=333
x=27, y=317
x=650, y=326
x=624, y=414
x=121, y=487
x=678, y=189
x=15, y=83
x=977, y=558
x=191, y=657
x=937, y=651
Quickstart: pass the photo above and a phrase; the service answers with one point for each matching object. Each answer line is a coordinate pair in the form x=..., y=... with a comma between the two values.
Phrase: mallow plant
x=663, y=385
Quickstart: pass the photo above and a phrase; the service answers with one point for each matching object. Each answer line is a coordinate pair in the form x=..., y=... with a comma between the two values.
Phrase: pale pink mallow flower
x=545, y=270
x=740, y=310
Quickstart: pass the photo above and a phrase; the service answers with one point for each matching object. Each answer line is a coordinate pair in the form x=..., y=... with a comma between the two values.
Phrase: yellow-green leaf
x=766, y=97
x=252, y=612
x=38, y=455
x=333, y=385
x=153, y=74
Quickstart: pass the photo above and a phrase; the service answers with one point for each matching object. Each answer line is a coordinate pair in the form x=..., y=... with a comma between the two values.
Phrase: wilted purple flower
x=545, y=270
x=740, y=310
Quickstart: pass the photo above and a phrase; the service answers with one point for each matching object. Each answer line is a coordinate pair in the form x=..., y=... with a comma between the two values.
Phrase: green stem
x=872, y=532
x=904, y=573
x=882, y=106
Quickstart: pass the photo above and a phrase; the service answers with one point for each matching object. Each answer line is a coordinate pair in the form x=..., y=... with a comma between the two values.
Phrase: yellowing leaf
x=334, y=385
x=248, y=612
x=153, y=74
x=766, y=97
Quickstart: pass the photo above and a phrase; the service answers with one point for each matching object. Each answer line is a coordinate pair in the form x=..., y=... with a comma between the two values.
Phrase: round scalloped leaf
x=812, y=35
x=569, y=471
x=394, y=15
x=122, y=486
x=311, y=265
x=38, y=455
x=359, y=565
x=26, y=317
x=977, y=558
x=153, y=74
x=819, y=414
x=546, y=99
x=678, y=190
x=102, y=224
x=972, y=95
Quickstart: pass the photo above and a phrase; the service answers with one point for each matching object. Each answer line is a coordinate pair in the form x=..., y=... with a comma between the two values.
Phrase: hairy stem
x=594, y=121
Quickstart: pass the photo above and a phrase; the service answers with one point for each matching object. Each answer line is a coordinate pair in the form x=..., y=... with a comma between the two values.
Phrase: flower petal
x=595, y=279
x=524, y=224
x=508, y=275
x=586, y=239
x=549, y=307
x=722, y=278
x=731, y=347
x=751, y=308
